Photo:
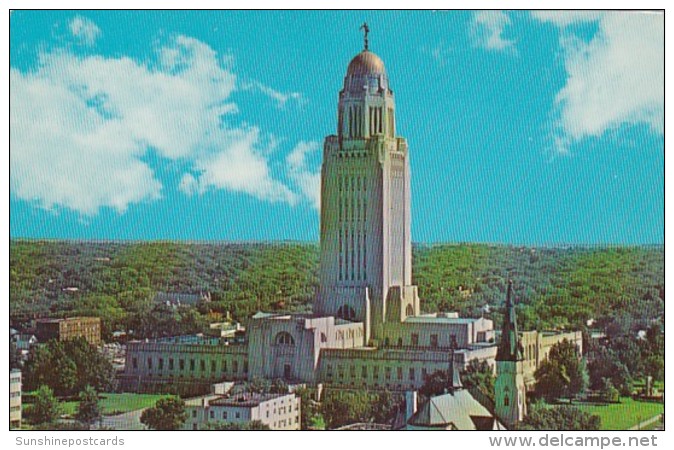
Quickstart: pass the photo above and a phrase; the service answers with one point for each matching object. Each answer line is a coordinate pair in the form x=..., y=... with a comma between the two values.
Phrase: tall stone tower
x=366, y=250
x=510, y=391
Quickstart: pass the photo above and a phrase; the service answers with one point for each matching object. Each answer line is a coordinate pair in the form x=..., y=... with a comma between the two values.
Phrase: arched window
x=284, y=338
x=409, y=311
x=506, y=400
x=346, y=312
x=324, y=338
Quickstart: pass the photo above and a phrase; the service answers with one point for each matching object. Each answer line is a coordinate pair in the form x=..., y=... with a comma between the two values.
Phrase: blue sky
x=533, y=128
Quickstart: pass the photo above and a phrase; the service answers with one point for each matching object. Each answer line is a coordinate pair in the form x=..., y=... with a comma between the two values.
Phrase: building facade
x=185, y=364
x=278, y=411
x=366, y=330
x=366, y=249
x=71, y=328
x=15, y=399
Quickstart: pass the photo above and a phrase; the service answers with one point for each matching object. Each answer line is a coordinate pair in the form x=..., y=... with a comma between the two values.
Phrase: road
x=123, y=422
x=645, y=423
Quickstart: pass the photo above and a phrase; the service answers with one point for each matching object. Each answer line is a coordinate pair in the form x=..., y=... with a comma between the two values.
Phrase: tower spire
x=509, y=348
x=366, y=30
x=509, y=389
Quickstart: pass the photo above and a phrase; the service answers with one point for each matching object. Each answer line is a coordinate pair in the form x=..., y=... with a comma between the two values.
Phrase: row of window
x=212, y=414
x=352, y=254
x=354, y=122
x=237, y=414
x=282, y=423
x=388, y=371
x=352, y=209
x=376, y=120
x=192, y=365
x=347, y=313
x=353, y=125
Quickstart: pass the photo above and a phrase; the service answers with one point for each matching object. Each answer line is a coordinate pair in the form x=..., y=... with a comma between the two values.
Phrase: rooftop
x=435, y=319
x=246, y=399
x=455, y=411
x=366, y=63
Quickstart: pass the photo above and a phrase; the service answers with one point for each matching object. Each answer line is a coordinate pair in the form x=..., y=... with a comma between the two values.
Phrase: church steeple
x=510, y=390
x=510, y=348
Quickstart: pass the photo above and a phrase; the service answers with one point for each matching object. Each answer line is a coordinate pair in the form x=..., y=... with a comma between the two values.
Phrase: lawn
x=118, y=403
x=623, y=415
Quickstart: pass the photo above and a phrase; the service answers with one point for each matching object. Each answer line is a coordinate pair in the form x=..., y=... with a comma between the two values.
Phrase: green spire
x=510, y=348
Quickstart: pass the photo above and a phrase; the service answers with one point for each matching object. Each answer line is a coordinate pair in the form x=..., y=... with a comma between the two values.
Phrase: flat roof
x=245, y=399
x=448, y=320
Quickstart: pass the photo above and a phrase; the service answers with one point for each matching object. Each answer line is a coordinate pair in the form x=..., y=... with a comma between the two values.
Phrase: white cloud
x=81, y=128
x=281, y=98
x=614, y=79
x=566, y=18
x=487, y=30
x=308, y=180
x=241, y=167
x=84, y=29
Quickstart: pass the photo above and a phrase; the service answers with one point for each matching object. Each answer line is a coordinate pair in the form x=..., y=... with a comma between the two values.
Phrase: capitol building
x=367, y=329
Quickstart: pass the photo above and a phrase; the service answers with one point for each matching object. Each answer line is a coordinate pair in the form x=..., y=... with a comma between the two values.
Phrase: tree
x=341, y=408
x=167, y=414
x=310, y=409
x=258, y=385
x=604, y=363
x=563, y=374
x=88, y=410
x=479, y=375
x=46, y=408
x=435, y=384
x=384, y=407
x=69, y=367
x=559, y=418
x=655, y=366
x=608, y=393
x=278, y=386
x=15, y=360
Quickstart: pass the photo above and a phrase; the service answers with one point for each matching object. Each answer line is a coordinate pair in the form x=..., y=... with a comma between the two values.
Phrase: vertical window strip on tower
x=340, y=120
x=358, y=265
x=350, y=121
x=364, y=255
x=356, y=214
x=352, y=252
x=393, y=122
x=360, y=122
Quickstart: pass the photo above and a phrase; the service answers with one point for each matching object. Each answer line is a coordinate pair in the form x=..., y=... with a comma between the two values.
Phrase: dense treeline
x=554, y=287
x=118, y=281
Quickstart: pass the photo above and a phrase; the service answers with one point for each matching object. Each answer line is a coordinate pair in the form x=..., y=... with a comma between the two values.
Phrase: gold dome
x=366, y=63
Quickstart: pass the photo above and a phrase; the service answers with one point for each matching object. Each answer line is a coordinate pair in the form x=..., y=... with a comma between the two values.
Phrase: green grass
x=623, y=415
x=118, y=403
